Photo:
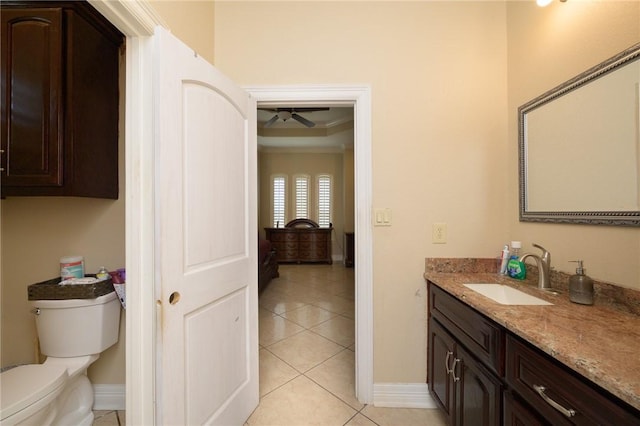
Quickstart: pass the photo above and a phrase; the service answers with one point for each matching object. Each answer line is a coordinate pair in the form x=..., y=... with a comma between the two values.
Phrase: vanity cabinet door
x=478, y=392
x=441, y=355
x=468, y=393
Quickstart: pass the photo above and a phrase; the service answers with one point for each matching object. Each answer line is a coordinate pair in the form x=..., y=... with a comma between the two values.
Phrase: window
x=279, y=197
x=324, y=201
x=302, y=196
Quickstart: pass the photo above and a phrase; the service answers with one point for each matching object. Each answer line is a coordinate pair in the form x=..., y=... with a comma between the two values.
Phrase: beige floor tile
x=275, y=328
x=338, y=329
x=308, y=316
x=273, y=372
x=404, y=416
x=280, y=304
x=300, y=402
x=105, y=418
x=334, y=304
x=337, y=375
x=122, y=416
x=350, y=312
x=305, y=350
x=360, y=420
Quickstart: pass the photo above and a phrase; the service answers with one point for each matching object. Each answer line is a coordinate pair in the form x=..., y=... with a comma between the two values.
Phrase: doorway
x=137, y=21
x=358, y=97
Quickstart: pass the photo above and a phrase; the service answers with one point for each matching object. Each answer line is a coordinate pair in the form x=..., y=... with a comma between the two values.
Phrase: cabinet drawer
x=481, y=336
x=528, y=368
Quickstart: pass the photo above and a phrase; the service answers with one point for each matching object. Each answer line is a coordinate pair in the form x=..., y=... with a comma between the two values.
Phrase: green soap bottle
x=516, y=268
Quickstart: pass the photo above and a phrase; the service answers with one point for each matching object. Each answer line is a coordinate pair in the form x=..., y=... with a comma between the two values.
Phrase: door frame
x=136, y=19
x=359, y=97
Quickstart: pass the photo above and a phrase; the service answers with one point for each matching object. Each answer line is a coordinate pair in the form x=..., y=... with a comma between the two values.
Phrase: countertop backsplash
x=615, y=296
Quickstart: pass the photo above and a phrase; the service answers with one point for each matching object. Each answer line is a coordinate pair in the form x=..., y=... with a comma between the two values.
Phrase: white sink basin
x=506, y=295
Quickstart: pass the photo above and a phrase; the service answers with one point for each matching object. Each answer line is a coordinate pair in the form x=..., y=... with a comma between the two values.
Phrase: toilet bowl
x=72, y=334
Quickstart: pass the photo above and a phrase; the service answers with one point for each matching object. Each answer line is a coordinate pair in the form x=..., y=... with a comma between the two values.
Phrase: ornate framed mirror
x=579, y=147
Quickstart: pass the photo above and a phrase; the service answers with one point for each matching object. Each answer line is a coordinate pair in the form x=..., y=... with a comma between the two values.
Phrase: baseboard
x=109, y=397
x=403, y=395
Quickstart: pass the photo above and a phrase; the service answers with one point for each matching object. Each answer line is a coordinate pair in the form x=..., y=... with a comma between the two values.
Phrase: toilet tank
x=77, y=327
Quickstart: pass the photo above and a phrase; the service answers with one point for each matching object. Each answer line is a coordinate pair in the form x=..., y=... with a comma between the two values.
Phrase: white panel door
x=206, y=240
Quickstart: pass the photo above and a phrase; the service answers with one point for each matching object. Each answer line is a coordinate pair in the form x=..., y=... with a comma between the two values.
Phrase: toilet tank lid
x=73, y=303
x=22, y=386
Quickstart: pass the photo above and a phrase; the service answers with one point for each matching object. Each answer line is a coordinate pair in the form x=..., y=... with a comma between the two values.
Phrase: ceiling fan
x=285, y=114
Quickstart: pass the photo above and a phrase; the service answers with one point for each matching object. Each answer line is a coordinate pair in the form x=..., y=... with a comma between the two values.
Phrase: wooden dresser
x=301, y=241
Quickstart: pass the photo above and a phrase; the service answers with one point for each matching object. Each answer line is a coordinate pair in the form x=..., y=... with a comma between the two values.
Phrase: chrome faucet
x=544, y=266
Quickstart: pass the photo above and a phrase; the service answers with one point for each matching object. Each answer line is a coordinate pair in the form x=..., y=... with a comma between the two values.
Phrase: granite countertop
x=600, y=342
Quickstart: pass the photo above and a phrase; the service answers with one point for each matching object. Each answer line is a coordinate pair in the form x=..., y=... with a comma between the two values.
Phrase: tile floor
x=307, y=356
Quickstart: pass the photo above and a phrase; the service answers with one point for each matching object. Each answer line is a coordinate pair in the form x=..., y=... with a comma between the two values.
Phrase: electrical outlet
x=439, y=233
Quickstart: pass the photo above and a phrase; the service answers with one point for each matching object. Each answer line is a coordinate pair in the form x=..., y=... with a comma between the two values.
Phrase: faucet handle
x=545, y=253
x=540, y=247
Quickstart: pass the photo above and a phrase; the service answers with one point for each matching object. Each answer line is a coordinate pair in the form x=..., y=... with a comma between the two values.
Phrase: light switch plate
x=381, y=217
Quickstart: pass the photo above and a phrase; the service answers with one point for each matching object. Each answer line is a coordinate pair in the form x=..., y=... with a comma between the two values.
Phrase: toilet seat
x=23, y=386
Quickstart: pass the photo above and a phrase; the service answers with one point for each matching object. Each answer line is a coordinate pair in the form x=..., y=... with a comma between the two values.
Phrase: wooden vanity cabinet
x=60, y=100
x=466, y=390
x=467, y=387
x=567, y=398
x=482, y=374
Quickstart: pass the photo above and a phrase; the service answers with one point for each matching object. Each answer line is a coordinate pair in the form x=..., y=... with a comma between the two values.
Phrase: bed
x=267, y=263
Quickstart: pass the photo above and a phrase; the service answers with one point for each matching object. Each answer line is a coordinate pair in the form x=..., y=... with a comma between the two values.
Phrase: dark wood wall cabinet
x=301, y=241
x=60, y=100
x=481, y=374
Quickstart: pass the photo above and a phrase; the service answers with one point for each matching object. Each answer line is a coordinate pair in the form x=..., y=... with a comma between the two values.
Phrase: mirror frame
x=616, y=218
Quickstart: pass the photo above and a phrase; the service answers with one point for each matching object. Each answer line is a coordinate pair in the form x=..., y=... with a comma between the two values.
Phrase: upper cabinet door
x=32, y=97
x=60, y=101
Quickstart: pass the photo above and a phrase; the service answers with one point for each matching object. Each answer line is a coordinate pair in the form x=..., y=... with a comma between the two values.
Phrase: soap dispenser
x=580, y=286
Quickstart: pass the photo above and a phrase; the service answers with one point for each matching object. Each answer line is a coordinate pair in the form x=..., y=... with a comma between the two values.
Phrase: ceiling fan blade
x=303, y=120
x=309, y=109
x=271, y=121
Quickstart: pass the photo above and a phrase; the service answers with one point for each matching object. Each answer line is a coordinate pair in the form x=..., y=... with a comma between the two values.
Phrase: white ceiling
x=333, y=129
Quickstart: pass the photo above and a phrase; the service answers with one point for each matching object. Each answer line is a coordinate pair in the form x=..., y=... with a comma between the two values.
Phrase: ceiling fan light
x=284, y=115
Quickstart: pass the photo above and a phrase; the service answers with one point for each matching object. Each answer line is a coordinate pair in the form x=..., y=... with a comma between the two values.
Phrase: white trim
x=360, y=98
x=132, y=17
x=402, y=395
x=109, y=397
x=137, y=20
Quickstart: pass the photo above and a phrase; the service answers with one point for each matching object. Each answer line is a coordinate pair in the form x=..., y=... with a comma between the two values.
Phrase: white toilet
x=72, y=335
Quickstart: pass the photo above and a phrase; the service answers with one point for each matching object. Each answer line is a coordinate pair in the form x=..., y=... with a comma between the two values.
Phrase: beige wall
x=190, y=21
x=438, y=76
x=548, y=46
x=312, y=164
